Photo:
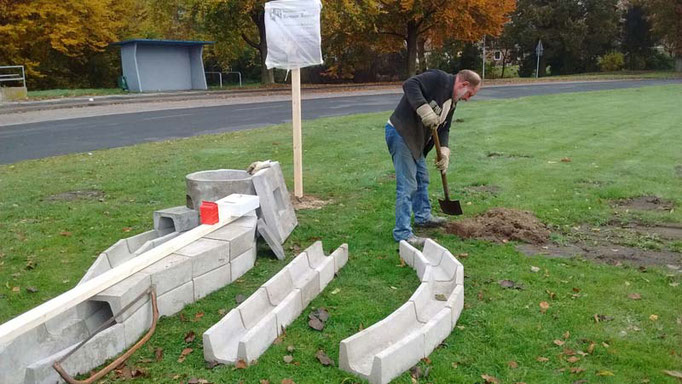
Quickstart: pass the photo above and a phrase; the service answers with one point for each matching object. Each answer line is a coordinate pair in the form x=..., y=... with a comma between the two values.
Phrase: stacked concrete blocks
x=249, y=329
x=390, y=347
x=276, y=208
x=183, y=277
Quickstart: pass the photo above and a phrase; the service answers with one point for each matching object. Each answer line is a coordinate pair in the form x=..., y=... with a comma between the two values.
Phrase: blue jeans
x=412, y=182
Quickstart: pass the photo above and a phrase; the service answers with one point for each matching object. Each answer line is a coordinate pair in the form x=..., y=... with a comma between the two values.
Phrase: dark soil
x=610, y=254
x=502, y=225
x=308, y=202
x=81, y=194
x=645, y=203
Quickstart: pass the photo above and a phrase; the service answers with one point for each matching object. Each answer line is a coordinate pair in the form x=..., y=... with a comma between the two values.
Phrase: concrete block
x=173, y=301
x=123, y=293
x=180, y=219
x=459, y=276
x=436, y=330
x=396, y=359
x=243, y=263
x=212, y=281
x=22, y=351
x=95, y=352
x=118, y=253
x=97, y=319
x=270, y=238
x=447, y=268
x=340, y=256
x=456, y=303
x=212, y=185
x=221, y=341
x=170, y=272
x=206, y=255
x=275, y=204
x=138, y=323
x=67, y=323
x=135, y=242
x=97, y=268
x=240, y=236
x=408, y=253
x=255, y=307
x=425, y=304
x=279, y=286
x=258, y=338
x=236, y=205
x=322, y=264
x=288, y=310
x=309, y=287
x=433, y=252
x=420, y=265
x=155, y=242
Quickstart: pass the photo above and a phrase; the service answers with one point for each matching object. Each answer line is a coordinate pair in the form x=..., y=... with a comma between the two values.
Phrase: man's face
x=465, y=91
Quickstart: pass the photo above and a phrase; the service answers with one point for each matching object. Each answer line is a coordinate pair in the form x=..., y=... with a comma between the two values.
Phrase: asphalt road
x=49, y=138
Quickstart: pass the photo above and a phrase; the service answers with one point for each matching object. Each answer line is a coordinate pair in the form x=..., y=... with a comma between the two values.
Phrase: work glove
x=442, y=165
x=257, y=166
x=428, y=116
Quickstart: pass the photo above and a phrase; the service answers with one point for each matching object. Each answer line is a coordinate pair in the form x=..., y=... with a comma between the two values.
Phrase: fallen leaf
x=507, y=283
x=576, y=290
x=416, y=372
x=534, y=269
x=441, y=297
x=288, y=359
x=653, y=317
x=321, y=314
x=222, y=311
x=127, y=229
x=558, y=342
x=580, y=382
x=31, y=289
x=590, y=349
x=577, y=370
x=569, y=352
x=316, y=324
x=239, y=298
x=198, y=316
x=573, y=359
x=635, y=296
x=323, y=358
x=291, y=349
x=65, y=233
x=490, y=379
x=16, y=289
x=402, y=263
x=605, y=373
x=677, y=374
x=241, y=364
x=598, y=318
x=287, y=381
x=426, y=360
x=183, y=354
x=544, y=306
x=552, y=295
x=212, y=364
x=463, y=255
x=566, y=160
x=513, y=364
x=264, y=381
x=30, y=264
x=189, y=337
x=194, y=380
x=567, y=334
x=542, y=359
x=158, y=354
x=335, y=291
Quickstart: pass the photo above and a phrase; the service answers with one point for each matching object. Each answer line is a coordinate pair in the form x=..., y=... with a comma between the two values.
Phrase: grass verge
x=621, y=144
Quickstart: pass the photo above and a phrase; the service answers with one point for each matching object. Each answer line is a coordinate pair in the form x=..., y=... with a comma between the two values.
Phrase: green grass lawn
x=621, y=144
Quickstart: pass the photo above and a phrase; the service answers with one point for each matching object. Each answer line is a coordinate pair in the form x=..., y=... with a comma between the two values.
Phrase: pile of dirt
x=501, y=225
x=308, y=202
x=645, y=203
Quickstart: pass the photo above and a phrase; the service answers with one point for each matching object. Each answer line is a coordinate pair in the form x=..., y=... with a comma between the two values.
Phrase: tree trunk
x=678, y=63
x=412, y=35
x=421, y=54
x=267, y=76
x=504, y=64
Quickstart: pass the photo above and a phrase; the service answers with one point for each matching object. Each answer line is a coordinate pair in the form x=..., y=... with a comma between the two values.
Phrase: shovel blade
x=450, y=207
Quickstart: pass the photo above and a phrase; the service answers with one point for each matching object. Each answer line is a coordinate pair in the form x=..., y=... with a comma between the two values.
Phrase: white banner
x=292, y=28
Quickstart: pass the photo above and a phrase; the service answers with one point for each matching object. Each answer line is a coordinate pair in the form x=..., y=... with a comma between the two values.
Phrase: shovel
x=449, y=207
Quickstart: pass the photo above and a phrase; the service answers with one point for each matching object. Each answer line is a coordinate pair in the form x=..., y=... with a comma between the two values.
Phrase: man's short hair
x=469, y=76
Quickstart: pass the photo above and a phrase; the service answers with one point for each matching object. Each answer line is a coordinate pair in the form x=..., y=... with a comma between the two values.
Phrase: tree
x=666, y=19
x=637, y=38
x=235, y=23
x=407, y=21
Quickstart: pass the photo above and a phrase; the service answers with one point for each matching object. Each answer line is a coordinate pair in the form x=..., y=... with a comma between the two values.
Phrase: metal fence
x=16, y=74
x=220, y=76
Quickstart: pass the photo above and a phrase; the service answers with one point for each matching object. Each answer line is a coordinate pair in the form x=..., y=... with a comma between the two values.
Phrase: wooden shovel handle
x=439, y=156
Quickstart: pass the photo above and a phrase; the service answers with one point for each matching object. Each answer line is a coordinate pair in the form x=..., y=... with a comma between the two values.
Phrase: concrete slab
x=425, y=304
x=173, y=301
x=118, y=253
x=271, y=239
x=212, y=281
x=221, y=341
x=156, y=242
x=456, y=303
x=135, y=242
x=255, y=308
x=407, y=253
x=396, y=359
x=434, y=252
x=340, y=256
x=240, y=235
x=258, y=339
x=243, y=263
x=275, y=203
x=97, y=268
x=279, y=286
x=206, y=255
x=170, y=272
x=180, y=219
x=288, y=310
x=436, y=330
x=138, y=323
x=123, y=293
x=322, y=264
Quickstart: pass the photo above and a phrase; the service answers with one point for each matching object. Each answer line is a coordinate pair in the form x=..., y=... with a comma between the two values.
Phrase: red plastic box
x=208, y=211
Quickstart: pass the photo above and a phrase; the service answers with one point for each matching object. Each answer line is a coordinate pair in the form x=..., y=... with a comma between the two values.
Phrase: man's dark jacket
x=433, y=85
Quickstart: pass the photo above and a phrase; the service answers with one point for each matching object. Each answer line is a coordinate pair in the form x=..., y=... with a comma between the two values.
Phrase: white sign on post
x=292, y=29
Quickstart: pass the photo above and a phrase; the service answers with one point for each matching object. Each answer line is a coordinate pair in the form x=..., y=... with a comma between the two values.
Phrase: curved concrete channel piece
x=249, y=329
x=393, y=345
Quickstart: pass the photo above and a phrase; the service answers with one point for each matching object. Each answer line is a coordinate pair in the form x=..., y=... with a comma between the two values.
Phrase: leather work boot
x=416, y=241
x=432, y=222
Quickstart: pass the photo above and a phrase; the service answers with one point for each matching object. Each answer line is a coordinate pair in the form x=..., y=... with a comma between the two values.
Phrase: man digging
x=429, y=101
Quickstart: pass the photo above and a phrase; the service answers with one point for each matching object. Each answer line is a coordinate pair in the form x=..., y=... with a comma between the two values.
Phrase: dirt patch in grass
x=508, y=155
x=644, y=203
x=308, y=202
x=80, y=194
x=616, y=244
x=502, y=225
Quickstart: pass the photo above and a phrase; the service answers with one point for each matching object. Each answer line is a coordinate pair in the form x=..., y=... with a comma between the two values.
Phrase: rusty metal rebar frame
x=121, y=359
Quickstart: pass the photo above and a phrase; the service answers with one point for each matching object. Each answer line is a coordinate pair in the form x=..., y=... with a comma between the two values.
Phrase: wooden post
x=296, y=122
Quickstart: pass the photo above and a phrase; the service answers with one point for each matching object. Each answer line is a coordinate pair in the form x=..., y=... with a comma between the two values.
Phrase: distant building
x=162, y=65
